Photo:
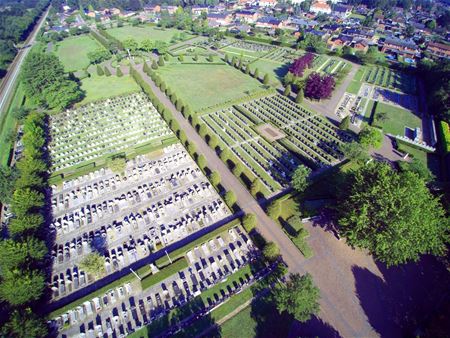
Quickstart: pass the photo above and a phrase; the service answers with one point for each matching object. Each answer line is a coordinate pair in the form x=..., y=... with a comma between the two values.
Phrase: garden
x=141, y=33
x=73, y=52
x=204, y=85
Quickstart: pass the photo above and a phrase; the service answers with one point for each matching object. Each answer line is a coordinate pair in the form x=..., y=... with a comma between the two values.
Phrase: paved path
x=339, y=303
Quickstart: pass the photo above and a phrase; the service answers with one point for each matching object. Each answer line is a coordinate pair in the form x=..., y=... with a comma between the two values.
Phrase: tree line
x=23, y=250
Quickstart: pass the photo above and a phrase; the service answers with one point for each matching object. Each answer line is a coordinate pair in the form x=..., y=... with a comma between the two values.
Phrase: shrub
x=119, y=72
x=100, y=71
x=230, y=198
x=107, y=71
x=249, y=222
x=445, y=136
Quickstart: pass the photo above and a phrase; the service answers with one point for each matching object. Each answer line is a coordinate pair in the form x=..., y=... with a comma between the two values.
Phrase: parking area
x=127, y=308
x=159, y=199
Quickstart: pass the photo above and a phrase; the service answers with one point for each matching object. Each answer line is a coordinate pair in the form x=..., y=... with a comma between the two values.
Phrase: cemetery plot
x=282, y=55
x=387, y=78
x=249, y=49
x=105, y=128
x=204, y=85
x=125, y=308
x=73, y=52
x=332, y=66
x=401, y=100
x=140, y=34
x=271, y=163
x=319, y=62
x=308, y=134
x=158, y=200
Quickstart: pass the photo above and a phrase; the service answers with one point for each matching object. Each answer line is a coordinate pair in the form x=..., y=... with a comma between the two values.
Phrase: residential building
x=400, y=47
x=268, y=22
x=320, y=6
x=342, y=11
x=219, y=19
x=267, y=3
x=439, y=50
x=247, y=16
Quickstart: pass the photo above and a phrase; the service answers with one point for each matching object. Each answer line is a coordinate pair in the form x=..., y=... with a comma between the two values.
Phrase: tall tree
x=298, y=297
x=391, y=214
x=300, y=177
x=19, y=287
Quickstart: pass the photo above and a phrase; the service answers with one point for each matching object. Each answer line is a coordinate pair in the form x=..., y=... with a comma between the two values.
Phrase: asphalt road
x=9, y=81
x=339, y=303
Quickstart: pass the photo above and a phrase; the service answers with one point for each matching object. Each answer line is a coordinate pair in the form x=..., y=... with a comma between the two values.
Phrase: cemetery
x=248, y=49
x=204, y=85
x=159, y=199
x=73, y=51
x=388, y=78
x=309, y=135
x=208, y=276
x=141, y=33
x=395, y=120
x=271, y=163
x=103, y=129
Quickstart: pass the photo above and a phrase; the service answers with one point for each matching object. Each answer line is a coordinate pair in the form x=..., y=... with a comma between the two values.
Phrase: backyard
x=140, y=33
x=73, y=52
x=202, y=85
x=395, y=119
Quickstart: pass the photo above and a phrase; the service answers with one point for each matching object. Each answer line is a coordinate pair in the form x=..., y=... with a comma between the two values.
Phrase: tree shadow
x=315, y=327
x=407, y=300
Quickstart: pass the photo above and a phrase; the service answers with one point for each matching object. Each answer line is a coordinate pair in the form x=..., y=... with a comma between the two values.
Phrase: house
x=267, y=3
x=361, y=45
x=342, y=11
x=219, y=19
x=198, y=10
x=320, y=7
x=268, y=22
x=169, y=9
x=303, y=23
x=91, y=14
x=247, y=16
x=153, y=9
x=400, y=47
x=340, y=41
x=439, y=50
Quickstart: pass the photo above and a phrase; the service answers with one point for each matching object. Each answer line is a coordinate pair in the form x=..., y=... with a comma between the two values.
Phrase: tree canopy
x=46, y=84
x=299, y=179
x=392, y=214
x=298, y=297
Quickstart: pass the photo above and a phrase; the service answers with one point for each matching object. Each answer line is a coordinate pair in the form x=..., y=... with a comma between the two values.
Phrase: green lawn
x=236, y=51
x=354, y=87
x=73, y=51
x=202, y=85
x=276, y=70
x=102, y=87
x=240, y=326
x=140, y=33
x=397, y=119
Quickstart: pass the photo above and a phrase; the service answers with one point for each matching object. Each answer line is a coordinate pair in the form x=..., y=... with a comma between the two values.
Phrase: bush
x=445, y=136
x=274, y=209
x=100, y=71
x=119, y=72
x=107, y=71
x=271, y=252
x=249, y=222
x=230, y=198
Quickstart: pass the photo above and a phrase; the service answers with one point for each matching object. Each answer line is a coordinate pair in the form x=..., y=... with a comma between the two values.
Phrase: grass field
x=354, y=87
x=397, y=119
x=240, y=326
x=102, y=87
x=142, y=33
x=73, y=52
x=276, y=70
x=202, y=85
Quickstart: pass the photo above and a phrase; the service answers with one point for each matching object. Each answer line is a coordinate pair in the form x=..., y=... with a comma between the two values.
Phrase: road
x=9, y=81
x=339, y=302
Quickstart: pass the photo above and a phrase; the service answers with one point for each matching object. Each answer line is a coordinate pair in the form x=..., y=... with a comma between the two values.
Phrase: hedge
x=445, y=136
x=164, y=273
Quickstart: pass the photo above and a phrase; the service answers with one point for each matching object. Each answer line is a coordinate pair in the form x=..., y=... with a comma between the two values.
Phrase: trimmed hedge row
x=445, y=136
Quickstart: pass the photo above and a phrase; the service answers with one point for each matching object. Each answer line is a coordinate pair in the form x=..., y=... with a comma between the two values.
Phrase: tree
x=21, y=286
x=201, y=161
x=255, y=187
x=146, y=68
x=431, y=24
x=300, y=177
x=210, y=58
x=319, y=87
x=100, y=71
x=300, y=96
x=355, y=152
x=230, y=198
x=287, y=90
x=271, y=252
x=371, y=137
x=93, y=264
x=161, y=61
x=8, y=177
x=25, y=200
x=131, y=45
x=345, y=123
x=249, y=222
x=98, y=55
x=118, y=164
x=238, y=169
x=147, y=45
x=418, y=167
x=119, y=72
x=25, y=224
x=391, y=214
x=214, y=178
x=16, y=253
x=154, y=65
x=213, y=141
x=274, y=209
x=225, y=155
x=298, y=297
x=107, y=71
x=25, y=324
x=266, y=79
x=256, y=74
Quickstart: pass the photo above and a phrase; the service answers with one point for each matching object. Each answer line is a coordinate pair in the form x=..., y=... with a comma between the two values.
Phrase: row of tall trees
x=46, y=83
x=22, y=281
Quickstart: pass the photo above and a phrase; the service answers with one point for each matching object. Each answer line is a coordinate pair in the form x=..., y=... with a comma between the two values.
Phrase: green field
x=102, y=87
x=397, y=119
x=142, y=33
x=73, y=52
x=235, y=51
x=202, y=85
x=354, y=87
x=240, y=326
x=276, y=70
